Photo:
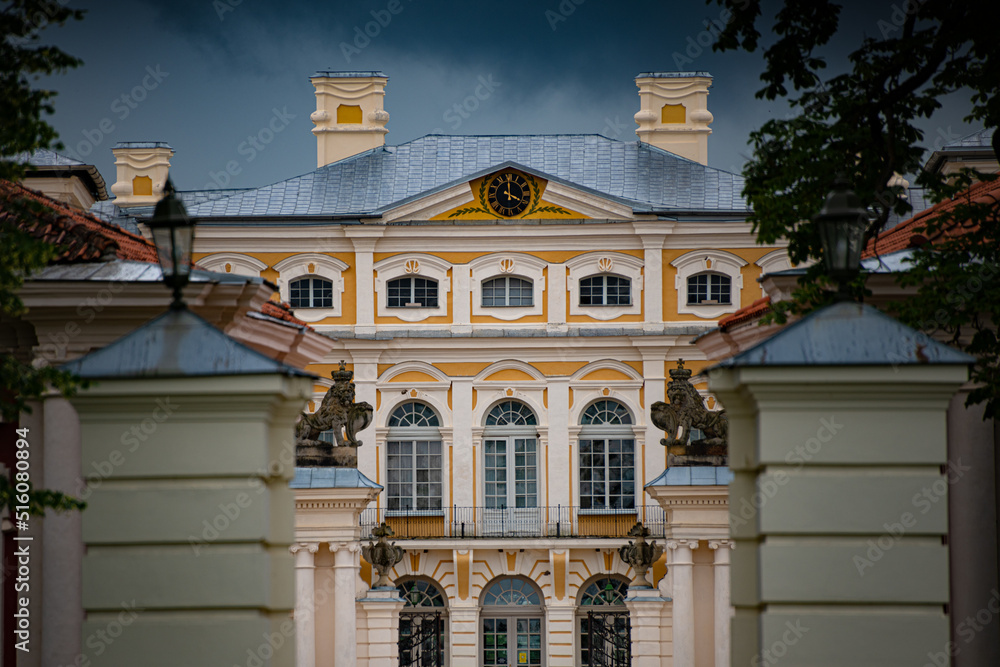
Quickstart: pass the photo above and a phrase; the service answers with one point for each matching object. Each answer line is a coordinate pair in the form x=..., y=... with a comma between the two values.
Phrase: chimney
x=142, y=172
x=349, y=117
x=673, y=112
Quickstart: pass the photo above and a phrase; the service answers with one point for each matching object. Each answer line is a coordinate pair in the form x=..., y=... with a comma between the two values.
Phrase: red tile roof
x=79, y=236
x=754, y=311
x=909, y=234
x=281, y=311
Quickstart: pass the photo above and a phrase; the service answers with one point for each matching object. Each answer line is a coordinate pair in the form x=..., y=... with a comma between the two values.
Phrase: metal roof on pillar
x=847, y=334
x=178, y=343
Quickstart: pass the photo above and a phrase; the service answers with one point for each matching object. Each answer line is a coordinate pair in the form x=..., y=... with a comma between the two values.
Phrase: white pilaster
x=722, y=601
x=652, y=245
x=460, y=299
x=683, y=595
x=557, y=293
x=462, y=480
x=365, y=376
x=464, y=633
x=558, y=481
x=305, y=608
x=645, y=610
x=382, y=608
x=364, y=241
x=562, y=633
x=345, y=576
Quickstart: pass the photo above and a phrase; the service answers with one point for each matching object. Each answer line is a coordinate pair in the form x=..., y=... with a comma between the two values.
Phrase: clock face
x=509, y=194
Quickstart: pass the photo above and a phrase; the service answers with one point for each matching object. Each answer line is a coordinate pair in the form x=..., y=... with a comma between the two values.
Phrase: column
x=722, y=604
x=683, y=594
x=462, y=480
x=559, y=479
x=365, y=376
x=345, y=572
x=645, y=610
x=305, y=610
x=561, y=633
x=382, y=610
x=461, y=279
x=556, y=290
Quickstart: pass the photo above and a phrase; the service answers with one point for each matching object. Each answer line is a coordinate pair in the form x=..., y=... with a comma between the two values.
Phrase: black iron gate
x=609, y=639
x=421, y=638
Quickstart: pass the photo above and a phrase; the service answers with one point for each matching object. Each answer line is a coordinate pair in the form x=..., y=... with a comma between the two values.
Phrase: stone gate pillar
x=838, y=508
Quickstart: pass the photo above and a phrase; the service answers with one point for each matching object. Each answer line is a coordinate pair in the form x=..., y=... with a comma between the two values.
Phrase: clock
x=509, y=194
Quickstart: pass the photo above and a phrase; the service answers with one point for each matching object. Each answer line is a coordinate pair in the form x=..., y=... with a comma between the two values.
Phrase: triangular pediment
x=474, y=198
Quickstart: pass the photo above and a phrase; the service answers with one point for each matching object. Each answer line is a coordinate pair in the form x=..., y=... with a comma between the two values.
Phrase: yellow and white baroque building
x=511, y=307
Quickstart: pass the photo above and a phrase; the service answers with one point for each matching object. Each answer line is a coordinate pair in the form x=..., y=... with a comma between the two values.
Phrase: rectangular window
x=412, y=293
x=607, y=474
x=709, y=288
x=413, y=475
x=605, y=291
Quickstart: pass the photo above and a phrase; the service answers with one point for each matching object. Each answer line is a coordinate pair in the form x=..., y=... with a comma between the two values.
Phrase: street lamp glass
x=173, y=235
x=842, y=223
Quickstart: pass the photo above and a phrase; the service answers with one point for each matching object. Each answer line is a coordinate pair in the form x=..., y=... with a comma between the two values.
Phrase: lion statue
x=338, y=413
x=685, y=411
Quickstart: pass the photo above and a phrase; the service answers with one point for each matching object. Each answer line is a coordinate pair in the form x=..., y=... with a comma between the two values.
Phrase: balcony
x=555, y=521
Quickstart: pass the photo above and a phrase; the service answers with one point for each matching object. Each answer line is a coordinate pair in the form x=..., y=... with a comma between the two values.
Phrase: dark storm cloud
x=554, y=66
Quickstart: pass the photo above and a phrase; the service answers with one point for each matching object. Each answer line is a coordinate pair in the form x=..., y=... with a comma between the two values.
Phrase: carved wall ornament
x=685, y=411
x=382, y=555
x=338, y=413
x=412, y=266
x=640, y=555
x=506, y=266
x=606, y=264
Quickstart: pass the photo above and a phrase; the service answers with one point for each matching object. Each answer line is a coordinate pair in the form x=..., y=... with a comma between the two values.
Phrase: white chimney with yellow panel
x=349, y=117
x=142, y=169
x=673, y=112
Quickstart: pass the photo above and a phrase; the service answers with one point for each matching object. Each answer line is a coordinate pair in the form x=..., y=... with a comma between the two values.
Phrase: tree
x=22, y=129
x=864, y=122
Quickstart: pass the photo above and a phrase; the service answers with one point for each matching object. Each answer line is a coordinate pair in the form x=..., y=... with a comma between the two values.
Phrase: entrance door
x=512, y=641
x=511, y=486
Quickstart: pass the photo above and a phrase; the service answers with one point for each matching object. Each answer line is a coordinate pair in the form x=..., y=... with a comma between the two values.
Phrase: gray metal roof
x=634, y=173
x=331, y=478
x=671, y=75
x=693, y=476
x=141, y=144
x=43, y=157
x=847, y=334
x=129, y=270
x=979, y=139
x=178, y=343
x=333, y=74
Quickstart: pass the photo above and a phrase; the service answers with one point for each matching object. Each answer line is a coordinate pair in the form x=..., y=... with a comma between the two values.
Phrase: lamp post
x=173, y=235
x=842, y=223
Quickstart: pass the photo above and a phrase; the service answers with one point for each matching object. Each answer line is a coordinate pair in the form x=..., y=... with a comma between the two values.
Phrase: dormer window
x=605, y=290
x=411, y=292
x=709, y=289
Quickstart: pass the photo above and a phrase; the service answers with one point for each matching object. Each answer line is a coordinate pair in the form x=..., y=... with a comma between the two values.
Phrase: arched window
x=422, y=624
x=605, y=290
x=512, y=623
x=511, y=413
x=510, y=470
x=603, y=600
x=507, y=291
x=412, y=293
x=709, y=289
x=310, y=292
x=607, y=457
x=413, y=459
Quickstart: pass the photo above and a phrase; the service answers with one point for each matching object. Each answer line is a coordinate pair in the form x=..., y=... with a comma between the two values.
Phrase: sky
x=206, y=75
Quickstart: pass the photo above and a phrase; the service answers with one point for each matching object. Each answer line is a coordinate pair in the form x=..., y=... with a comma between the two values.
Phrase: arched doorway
x=512, y=622
x=422, y=623
x=601, y=602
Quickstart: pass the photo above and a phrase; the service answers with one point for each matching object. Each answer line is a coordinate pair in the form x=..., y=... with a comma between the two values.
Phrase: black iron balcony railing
x=486, y=522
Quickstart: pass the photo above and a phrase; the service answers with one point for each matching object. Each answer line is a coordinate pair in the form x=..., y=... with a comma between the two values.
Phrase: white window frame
x=711, y=261
x=412, y=265
x=772, y=262
x=240, y=265
x=609, y=263
x=709, y=275
x=515, y=265
x=323, y=266
x=413, y=287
